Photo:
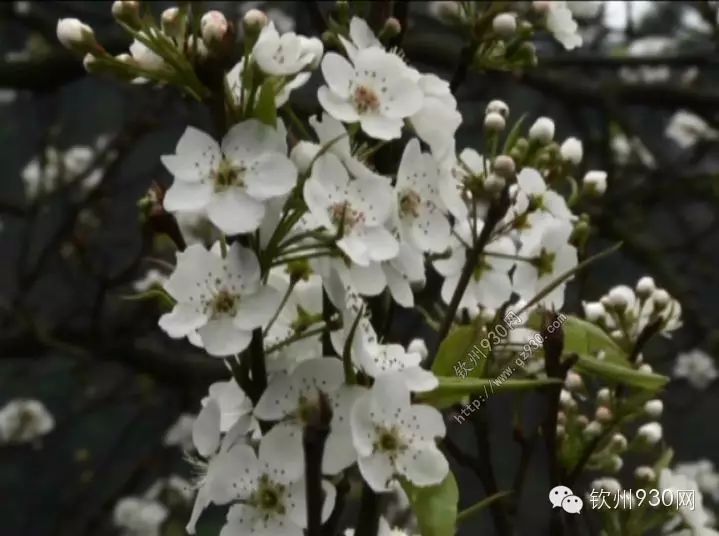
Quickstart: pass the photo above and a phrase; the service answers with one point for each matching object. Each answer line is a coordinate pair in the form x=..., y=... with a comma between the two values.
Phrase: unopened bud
x=90, y=63
x=573, y=382
x=594, y=311
x=619, y=442
x=127, y=12
x=615, y=463
x=214, y=28
x=494, y=183
x=542, y=7
x=646, y=368
x=494, y=122
x=391, y=28
x=504, y=25
x=644, y=473
x=504, y=166
x=561, y=417
x=254, y=20
x=77, y=36
x=621, y=297
x=582, y=421
x=572, y=151
x=603, y=415
x=645, y=286
x=173, y=23
x=604, y=396
x=560, y=430
x=497, y=106
x=542, y=131
x=661, y=298
x=650, y=433
x=653, y=408
x=418, y=346
x=595, y=182
x=593, y=429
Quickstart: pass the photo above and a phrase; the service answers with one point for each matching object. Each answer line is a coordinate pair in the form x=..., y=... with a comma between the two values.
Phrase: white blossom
x=233, y=181
x=234, y=81
x=694, y=516
x=562, y=25
x=358, y=207
x=286, y=54
x=697, y=367
x=24, y=420
x=138, y=516
x=395, y=438
x=222, y=299
x=572, y=150
x=376, y=90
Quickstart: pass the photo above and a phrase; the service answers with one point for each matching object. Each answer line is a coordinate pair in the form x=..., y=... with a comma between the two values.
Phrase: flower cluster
x=320, y=231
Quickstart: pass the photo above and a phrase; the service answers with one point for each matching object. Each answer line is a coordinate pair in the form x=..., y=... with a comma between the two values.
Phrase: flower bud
x=561, y=417
x=609, y=484
x=661, y=298
x=542, y=131
x=494, y=183
x=127, y=12
x=90, y=63
x=604, y=396
x=582, y=421
x=621, y=297
x=214, y=29
x=619, y=442
x=560, y=430
x=418, y=346
x=542, y=7
x=391, y=28
x=594, y=311
x=504, y=166
x=254, y=20
x=645, y=286
x=76, y=36
x=573, y=382
x=595, y=182
x=603, y=415
x=125, y=58
x=646, y=368
x=653, y=408
x=173, y=23
x=504, y=25
x=650, y=433
x=302, y=155
x=497, y=106
x=572, y=151
x=494, y=122
x=593, y=429
x=565, y=398
x=644, y=473
x=615, y=463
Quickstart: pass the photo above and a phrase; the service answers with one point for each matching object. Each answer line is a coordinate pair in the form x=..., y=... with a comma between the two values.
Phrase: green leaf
x=470, y=512
x=265, y=109
x=453, y=390
x=616, y=373
x=454, y=348
x=587, y=339
x=435, y=506
x=513, y=135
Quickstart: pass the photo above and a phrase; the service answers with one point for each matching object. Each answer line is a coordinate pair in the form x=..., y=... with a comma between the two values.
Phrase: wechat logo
x=564, y=498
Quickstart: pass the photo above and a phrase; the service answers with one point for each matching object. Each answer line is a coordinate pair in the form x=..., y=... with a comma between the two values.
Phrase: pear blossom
x=703, y=473
x=552, y=256
x=421, y=217
x=376, y=90
x=286, y=54
x=222, y=299
x=361, y=37
x=395, y=438
x=532, y=197
x=562, y=25
x=356, y=208
x=293, y=398
x=24, y=421
x=271, y=495
x=231, y=400
x=224, y=460
x=490, y=285
x=697, y=367
x=233, y=181
x=285, y=86
x=455, y=172
x=694, y=516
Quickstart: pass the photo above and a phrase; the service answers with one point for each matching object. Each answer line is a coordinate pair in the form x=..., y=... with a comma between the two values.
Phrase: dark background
x=115, y=384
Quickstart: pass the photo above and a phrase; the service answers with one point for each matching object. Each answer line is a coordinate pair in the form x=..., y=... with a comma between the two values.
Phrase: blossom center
x=545, y=262
x=365, y=99
x=409, y=203
x=228, y=175
x=344, y=216
x=268, y=497
x=224, y=303
x=389, y=440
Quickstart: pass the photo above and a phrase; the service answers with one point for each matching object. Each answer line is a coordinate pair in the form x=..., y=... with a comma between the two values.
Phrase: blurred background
x=96, y=404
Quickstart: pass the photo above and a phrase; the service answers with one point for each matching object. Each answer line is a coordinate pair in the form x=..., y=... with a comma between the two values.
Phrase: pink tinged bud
x=173, y=23
x=573, y=381
x=127, y=12
x=214, y=27
x=254, y=20
x=76, y=36
x=603, y=415
x=391, y=28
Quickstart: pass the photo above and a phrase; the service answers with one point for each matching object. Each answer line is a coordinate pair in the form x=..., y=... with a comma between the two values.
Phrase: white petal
x=423, y=465
x=182, y=320
x=323, y=374
x=270, y=175
x=364, y=430
x=232, y=474
x=377, y=470
x=241, y=268
x=380, y=243
x=378, y=126
x=429, y=422
x=339, y=452
x=336, y=106
x=368, y=280
x=362, y=35
x=206, y=429
x=402, y=99
x=418, y=380
x=221, y=338
x=247, y=140
x=338, y=73
x=430, y=229
x=355, y=248
x=276, y=402
x=190, y=196
x=531, y=181
x=399, y=286
x=281, y=452
x=256, y=309
x=201, y=502
x=194, y=266
x=197, y=156
x=235, y=212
